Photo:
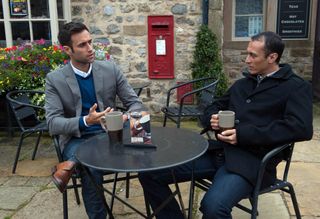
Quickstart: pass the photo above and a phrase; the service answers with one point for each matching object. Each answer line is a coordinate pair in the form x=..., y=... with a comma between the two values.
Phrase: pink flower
x=40, y=42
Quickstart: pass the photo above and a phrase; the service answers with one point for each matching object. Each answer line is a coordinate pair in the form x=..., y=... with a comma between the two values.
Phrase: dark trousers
x=227, y=190
x=93, y=202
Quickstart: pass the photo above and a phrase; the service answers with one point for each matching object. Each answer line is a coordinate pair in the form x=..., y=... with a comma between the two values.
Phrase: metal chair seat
x=26, y=114
x=39, y=127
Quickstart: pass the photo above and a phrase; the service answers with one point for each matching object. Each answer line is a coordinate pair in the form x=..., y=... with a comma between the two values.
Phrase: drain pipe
x=205, y=11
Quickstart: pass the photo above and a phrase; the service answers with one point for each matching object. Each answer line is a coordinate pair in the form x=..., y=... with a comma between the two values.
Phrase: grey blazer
x=63, y=98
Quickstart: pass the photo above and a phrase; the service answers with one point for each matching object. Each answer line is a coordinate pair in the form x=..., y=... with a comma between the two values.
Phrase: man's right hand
x=94, y=117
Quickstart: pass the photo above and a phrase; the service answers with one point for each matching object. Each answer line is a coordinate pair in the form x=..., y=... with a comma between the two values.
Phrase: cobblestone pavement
x=30, y=194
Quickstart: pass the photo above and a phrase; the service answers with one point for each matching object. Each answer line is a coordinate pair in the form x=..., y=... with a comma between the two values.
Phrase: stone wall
x=124, y=24
x=299, y=57
x=298, y=53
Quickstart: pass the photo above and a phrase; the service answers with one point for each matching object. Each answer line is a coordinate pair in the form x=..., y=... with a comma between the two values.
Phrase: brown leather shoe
x=61, y=174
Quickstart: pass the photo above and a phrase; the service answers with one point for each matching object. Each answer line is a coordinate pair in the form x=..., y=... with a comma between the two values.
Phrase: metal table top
x=174, y=147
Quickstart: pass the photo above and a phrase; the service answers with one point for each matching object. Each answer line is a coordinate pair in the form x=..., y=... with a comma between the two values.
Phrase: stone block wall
x=300, y=59
x=123, y=23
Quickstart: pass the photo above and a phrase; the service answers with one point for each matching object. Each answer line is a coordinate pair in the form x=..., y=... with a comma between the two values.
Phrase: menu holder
x=140, y=132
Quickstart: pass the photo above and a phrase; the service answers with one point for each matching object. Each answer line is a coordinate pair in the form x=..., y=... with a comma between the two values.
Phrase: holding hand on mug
x=94, y=117
x=228, y=135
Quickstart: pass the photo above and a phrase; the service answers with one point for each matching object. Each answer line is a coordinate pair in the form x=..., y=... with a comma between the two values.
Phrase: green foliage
x=207, y=61
x=25, y=67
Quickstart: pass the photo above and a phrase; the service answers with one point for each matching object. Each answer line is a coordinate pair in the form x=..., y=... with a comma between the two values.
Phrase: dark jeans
x=227, y=190
x=93, y=202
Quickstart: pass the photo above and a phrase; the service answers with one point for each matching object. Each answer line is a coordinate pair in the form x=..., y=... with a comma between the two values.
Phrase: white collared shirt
x=81, y=73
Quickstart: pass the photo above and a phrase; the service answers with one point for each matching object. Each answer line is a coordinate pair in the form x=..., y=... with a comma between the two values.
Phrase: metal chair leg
x=17, y=153
x=37, y=145
x=254, y=204
x=165, y=120
x=65, y=204
x=76, y=191
x=294, y=201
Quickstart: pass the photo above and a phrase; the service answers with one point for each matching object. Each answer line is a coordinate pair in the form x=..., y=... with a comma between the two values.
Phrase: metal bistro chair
x=138, y=89
x=285, y=152
x=26, y=115
x=76, y=184
x=205, y=96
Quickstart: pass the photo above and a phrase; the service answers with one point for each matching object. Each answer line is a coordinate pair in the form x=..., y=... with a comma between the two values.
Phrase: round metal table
x=174, y=147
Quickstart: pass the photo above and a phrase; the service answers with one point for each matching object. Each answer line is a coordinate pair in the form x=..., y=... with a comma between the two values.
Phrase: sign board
x=18, y=7
x=293, y=18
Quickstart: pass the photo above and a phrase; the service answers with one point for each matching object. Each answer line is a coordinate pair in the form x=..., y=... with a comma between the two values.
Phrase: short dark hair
x=67, y=30
x=272, y=43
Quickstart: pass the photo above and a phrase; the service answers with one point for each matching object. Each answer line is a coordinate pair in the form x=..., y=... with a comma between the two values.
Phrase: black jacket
x=277, y=111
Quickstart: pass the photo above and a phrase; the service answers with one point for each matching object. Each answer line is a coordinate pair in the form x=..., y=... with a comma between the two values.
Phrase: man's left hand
x=228, y=136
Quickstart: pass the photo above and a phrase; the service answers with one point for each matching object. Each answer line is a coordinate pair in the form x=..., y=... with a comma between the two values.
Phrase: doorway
x=316, y=58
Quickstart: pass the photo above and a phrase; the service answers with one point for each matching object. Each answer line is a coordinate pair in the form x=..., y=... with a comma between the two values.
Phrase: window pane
x=60, y=9
x=39, y=8
x=241, y=27
x=249, y=7
x=41, y=30
x=1, y=10
x=20, y=32
x=247, y=26
x=2, y=35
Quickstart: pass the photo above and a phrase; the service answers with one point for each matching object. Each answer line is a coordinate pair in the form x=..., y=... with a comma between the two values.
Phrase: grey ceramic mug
x=113, y=123
x=226, y=119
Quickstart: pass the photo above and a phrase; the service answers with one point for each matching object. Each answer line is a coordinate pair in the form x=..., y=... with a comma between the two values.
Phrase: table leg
x=191, y=193
x=179, y=194
x=113, y=190
x=100, y=192
x=176, y=192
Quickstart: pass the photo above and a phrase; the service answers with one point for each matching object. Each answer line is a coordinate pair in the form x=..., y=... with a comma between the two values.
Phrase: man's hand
x=214, y=121
x=228, y=136
x=94, y=117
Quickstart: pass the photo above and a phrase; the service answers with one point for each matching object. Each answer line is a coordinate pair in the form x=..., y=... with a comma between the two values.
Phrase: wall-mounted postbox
x=161, y=46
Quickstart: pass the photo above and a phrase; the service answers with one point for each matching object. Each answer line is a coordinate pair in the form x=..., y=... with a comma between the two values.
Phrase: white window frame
x=53, y=19
x=234, y=20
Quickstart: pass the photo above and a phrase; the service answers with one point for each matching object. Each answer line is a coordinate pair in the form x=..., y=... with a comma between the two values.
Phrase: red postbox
x=161, y=46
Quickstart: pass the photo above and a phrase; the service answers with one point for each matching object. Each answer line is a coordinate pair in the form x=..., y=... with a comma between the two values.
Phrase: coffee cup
x=113, y=123
x=226, y=119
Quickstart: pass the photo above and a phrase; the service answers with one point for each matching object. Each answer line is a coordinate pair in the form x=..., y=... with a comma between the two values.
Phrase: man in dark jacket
x=272, y=105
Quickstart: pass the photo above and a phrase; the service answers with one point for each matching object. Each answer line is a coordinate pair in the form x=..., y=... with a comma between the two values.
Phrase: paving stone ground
x=30, y=194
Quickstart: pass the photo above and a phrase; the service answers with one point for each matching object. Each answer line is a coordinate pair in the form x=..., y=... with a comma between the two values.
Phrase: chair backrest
x=207, y=96
x=24, y=111
x=283, y=152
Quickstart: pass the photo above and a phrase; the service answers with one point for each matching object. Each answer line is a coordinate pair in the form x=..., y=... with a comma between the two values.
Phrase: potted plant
x=207, y=59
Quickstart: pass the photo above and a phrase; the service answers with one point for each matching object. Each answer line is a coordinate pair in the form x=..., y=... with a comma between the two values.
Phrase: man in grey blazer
x=76, y=97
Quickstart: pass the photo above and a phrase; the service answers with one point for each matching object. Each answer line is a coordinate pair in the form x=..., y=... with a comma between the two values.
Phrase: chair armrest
x=8, y=96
